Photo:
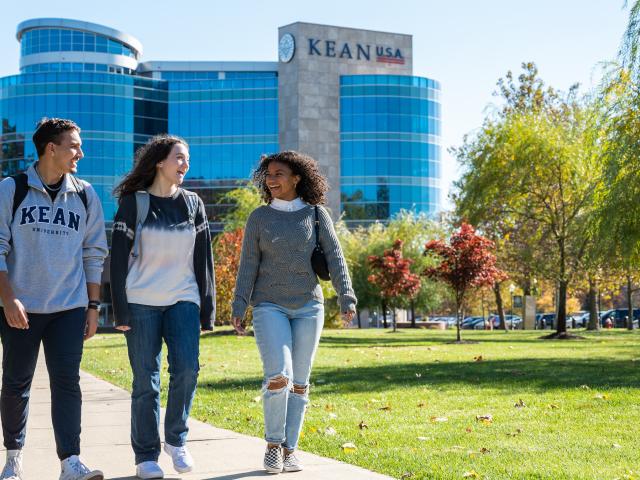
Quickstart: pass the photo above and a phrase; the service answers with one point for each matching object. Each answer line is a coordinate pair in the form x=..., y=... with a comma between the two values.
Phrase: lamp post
x=512, y=288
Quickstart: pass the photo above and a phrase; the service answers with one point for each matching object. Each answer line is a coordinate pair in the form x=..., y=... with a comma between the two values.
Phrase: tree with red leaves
x=227, y=254
x=466, y=262
x=393, y=277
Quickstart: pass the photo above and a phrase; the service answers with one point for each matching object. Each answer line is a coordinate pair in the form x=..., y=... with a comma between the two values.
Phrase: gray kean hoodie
x=51, y=249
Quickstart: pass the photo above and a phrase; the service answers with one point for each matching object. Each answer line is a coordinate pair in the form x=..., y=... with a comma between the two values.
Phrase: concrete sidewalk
x=219, y=454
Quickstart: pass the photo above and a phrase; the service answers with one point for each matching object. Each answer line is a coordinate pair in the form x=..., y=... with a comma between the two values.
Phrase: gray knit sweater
x=275, y=265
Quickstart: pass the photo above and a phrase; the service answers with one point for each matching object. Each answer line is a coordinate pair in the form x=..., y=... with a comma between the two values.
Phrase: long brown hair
x=311, y=188
x=148, y=156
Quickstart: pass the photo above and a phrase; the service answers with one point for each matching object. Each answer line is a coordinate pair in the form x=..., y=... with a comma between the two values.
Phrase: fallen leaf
x=386, y=407
x=418, y=375
x=471, y=474
x=423, y=439
x=333, y=416
x=328, y=407
x=257, y=399
x=585, y=387
x=330, y=431
x=601, y=396
x=516, y=433
x=421, y=404
x=553, y=406
x=349, y=447
x=519, y=404
x=320, y=381
x=439, y=419
x=388, y=377
x=484, y=418
x=407, y=475
x=468, y=429
x=616, y=445
x=484, y=450
x=479, y=358
x=313, y=429
x=362, y=425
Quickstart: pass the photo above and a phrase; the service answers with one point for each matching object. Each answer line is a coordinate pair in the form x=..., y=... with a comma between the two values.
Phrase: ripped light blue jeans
x=287, y=340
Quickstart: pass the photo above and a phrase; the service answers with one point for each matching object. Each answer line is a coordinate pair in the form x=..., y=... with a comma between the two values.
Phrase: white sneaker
x=182, y=459
x=13, y=468
x=74, y=469
x=148, y=470
x=291, y=463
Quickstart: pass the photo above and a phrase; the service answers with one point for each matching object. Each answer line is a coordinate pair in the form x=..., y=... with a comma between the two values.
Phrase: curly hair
x=148, y=156
x=311, y=188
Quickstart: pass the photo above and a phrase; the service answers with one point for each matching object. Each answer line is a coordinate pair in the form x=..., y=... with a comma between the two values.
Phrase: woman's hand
x=236, y=322
x=348, y=316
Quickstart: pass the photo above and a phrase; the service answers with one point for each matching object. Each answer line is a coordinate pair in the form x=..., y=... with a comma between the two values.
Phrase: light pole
x=512, y=288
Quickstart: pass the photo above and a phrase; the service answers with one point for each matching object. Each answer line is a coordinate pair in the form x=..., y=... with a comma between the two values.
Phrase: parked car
x=617, y=316
x=577, y=319
x=545, y=320
x=469, y=323
x=513, y=322
x=449, y=321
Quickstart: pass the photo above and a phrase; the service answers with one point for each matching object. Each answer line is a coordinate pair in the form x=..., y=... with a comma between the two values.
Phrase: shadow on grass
x=337, y=341
x=538, y=374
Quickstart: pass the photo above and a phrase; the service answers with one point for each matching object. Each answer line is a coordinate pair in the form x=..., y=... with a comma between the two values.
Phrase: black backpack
x=22, y=188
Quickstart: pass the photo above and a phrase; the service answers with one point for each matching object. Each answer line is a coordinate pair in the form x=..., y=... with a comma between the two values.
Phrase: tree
x=543, y=167
x=227, y=248
x=480, y=199
x=242, y=201
x=392, y=276
x=361, y=243
x=467, y=262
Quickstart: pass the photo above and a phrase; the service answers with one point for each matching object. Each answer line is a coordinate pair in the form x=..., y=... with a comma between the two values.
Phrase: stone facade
x=309, y=87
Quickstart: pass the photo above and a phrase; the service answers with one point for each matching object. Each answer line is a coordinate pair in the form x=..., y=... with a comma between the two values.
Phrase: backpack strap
x=142, y=210
x=317, y=227
x=22, y=188
x=191, y=199
x=80, y=190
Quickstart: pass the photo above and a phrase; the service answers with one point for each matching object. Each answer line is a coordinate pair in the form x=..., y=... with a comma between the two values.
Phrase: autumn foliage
x=228, y=246
x=393, y=277
x=467, y=262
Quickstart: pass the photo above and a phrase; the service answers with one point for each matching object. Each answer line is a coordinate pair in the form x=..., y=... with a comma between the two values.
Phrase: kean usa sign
x=357, y=51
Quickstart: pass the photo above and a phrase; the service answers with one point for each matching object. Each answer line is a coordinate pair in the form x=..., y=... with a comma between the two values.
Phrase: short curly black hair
x=311, y=188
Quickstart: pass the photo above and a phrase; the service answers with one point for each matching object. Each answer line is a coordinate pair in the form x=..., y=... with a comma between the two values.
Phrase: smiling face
x=66, y=154
x=281, y=181
x=174, y=168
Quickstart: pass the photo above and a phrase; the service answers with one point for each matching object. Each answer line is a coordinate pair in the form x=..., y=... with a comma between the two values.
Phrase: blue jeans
x=287, y=340
x=179, y=326
x=61, y=334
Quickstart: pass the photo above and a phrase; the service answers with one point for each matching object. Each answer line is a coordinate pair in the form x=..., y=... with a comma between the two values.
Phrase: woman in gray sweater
x=277, y=279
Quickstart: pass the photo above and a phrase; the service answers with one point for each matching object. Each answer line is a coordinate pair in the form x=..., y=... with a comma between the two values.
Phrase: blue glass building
x=372, y=125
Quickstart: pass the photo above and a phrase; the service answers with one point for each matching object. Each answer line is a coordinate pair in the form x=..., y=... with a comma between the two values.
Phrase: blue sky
x=466, y=45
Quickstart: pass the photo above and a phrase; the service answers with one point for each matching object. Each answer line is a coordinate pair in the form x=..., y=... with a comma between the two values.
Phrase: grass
x=419, y=398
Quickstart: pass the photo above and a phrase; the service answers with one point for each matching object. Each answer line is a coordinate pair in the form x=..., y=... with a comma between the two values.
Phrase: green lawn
x=419, y=398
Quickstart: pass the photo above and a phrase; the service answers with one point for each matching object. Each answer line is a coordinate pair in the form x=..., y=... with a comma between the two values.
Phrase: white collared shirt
x=288, y=205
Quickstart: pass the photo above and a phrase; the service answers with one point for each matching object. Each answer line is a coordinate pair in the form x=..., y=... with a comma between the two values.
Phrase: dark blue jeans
x=62, y=335
x=179, y=326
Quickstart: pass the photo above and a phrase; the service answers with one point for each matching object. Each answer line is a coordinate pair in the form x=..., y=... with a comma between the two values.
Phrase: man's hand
x=237, y=326
x=123, y=328
x=16, y=315
x=92, y=323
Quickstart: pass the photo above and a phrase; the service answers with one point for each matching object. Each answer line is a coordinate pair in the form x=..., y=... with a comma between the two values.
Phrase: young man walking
x=52, y=249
